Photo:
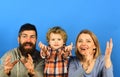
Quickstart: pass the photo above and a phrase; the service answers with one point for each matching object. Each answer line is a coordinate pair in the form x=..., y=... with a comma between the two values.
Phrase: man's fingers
x=23, y=60
x=13, y=63
x=30, y=58
x=8, y=58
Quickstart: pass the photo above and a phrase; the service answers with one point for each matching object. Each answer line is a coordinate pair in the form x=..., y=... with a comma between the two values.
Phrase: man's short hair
x=27, y=26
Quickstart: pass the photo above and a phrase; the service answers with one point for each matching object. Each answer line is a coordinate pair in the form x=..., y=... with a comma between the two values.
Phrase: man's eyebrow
x=23, y=34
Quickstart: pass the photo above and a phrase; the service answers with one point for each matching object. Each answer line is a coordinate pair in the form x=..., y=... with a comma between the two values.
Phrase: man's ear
x=18, y=39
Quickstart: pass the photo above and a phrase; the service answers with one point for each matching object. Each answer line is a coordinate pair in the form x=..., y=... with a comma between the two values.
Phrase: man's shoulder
x=11, y=51
x=14, y=49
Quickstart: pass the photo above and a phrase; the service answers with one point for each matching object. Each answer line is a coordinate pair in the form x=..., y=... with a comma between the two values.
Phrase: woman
x=88, y=61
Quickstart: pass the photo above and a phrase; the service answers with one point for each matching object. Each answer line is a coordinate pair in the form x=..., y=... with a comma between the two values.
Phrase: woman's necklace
x=88, y=66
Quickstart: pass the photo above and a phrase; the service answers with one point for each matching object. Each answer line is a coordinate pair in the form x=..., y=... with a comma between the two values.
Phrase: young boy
x=56, y=53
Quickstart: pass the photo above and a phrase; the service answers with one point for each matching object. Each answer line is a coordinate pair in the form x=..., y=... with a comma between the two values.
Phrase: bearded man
x=23, y=61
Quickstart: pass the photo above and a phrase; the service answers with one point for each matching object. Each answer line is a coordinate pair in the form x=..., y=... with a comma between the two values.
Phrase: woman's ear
x=94, y=48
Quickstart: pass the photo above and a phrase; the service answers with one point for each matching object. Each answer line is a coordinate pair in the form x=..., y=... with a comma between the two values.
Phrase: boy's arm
x=44, y=50
x=67, y=51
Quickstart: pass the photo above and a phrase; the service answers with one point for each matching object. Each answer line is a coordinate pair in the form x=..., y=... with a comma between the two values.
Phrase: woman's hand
x=108, y=52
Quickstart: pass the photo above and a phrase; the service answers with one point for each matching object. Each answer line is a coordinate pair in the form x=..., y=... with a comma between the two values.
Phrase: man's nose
x=28, y=39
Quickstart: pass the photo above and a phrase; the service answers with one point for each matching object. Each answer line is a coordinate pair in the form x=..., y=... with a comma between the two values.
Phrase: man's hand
x=8, y=65
x=28, y=63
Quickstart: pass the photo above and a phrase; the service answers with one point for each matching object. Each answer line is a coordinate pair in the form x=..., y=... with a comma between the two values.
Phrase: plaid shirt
x=56, y=63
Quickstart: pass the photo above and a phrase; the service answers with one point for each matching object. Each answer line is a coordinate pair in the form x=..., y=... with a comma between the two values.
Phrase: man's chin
x=28, y=49
x=25, y=52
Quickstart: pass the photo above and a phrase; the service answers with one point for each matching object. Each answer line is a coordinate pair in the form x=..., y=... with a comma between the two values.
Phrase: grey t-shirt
x=19, y=70
x=99, y=70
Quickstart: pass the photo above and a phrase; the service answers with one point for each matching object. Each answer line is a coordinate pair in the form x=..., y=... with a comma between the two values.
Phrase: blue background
x=100, y=16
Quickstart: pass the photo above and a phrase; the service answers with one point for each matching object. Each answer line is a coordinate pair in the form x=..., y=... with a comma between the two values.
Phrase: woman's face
x=85, y=44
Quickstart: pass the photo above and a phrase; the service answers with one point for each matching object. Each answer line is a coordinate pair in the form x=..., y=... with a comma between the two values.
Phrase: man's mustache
x=27, y=43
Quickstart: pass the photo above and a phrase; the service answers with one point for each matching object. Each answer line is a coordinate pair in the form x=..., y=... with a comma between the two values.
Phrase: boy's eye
x=59, y=39
x=52, y=39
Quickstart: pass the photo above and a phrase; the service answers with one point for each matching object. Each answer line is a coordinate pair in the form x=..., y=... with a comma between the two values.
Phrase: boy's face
x=56, y=41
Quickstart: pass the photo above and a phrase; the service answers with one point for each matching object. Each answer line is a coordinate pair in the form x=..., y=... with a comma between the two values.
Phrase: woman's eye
x=88, y=41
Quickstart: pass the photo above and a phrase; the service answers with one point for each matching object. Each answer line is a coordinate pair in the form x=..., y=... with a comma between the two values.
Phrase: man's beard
x=27, y=51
